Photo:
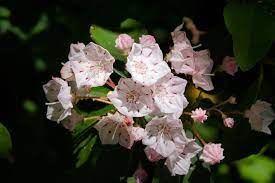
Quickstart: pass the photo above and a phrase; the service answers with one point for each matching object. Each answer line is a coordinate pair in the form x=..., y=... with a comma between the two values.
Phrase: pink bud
x=140, y=175
x=229, y=65
x=138, y=133
x=212, y=153
x=124, y=42
x=228, y=122
x=152, y=155
x=199, y=115
x=147, y=39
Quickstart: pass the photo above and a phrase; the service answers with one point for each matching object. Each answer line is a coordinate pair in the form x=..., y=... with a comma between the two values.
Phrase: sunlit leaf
x=256, y=168
x=99, y=91
x=5, y=142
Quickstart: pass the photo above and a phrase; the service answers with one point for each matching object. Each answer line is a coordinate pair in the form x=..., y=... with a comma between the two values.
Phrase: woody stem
x=195, y=131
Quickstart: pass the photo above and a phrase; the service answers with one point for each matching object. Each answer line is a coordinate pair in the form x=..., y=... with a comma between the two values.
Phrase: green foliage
x=5, y=142
x=106, y=39
x=99, y=91
x=257, y=169
x=30, y=106
x=4, y=12
x=84, y=149
x=41, y=25
x=252, y=30
x=40, y=65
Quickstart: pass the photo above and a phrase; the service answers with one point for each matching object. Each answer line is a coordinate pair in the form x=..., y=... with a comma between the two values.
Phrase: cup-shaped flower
x=115, y=128
x=260, y=116
x=146, y=65
x=95, y=69
x=212, y=153
x=160, y=134
x=131, y=98
x=168, y=95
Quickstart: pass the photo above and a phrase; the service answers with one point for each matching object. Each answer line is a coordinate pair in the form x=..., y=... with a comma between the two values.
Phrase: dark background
x=42, y=149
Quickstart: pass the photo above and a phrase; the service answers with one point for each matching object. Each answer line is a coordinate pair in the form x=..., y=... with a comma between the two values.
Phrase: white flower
x=147, y=39
x=138, y=133
x=146, y=65
x=168, y=95
x=179, y=161
x=66, y=72
x=131, y=98
x=202, y=72
x=260, y=116
x=115, y=128
x=59, y=96
x=199, y=115
x=212, y=153
x=76, y=51
x=160, y=134
x=95, y=69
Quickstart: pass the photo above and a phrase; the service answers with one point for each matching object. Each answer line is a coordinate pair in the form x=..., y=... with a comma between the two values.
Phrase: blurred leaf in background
x=5, y=142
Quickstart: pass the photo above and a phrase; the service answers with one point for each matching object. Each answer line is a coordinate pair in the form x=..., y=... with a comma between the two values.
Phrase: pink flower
x=147, y=40
x=76, y=51
x=138, y=133
x=203, y=65
x=160, y=134
x=131, y=98
x=114, y=129
x=146, y=65
x=124, y=42
x=228, y=122
x=152, y=155
x=199, y=115
x=229, y=65
x=140, y=175
x=168, y=94
x=66, y=72
x=260, y=116
x=212, y=153
x=179, y=36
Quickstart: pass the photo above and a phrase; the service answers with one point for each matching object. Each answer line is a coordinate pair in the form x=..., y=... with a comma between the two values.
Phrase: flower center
x=140, y=67
x=132, y=97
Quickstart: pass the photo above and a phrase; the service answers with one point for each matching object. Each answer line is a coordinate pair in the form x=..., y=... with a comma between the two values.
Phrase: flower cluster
x=154, y=94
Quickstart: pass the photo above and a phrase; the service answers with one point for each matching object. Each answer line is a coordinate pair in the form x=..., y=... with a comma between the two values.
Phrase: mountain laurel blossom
x=124, y=42
x=260, y=116
x=145, y=64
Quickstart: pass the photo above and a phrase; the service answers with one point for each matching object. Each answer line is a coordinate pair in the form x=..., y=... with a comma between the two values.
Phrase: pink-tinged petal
x=113, y=129
x=228, y=122
x=131, y=98
x=140, y=175
x=76, y=52
x=124, y=42
x=70, y=121
x=138, y=133
x=168, y=94
x=147, y=39
x=260, y=116
x=146, y=65
x=229, y=65
x=152, y=155
x=178, y=164
x=55, y=112
x=212, y=153
x=66, y=72
x=199, y=115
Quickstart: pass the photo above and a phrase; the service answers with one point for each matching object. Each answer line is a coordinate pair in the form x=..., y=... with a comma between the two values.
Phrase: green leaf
x=134, y=28
x=41, y=25
x=101, y=112
x=4, y=12
x=188, y=175
x=131, y=180
x=99, y=91
x=30, y=106
x=81, y=127
x=40, y=65
x=106, y=39
x=5, y=142
x=4, y=26
x=256, y=168
x=130, y=23
x=252, y=30
x=84, y=153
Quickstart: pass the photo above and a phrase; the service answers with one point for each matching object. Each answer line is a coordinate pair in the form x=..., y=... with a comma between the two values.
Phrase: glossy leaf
x=5, y=142
x=252, y=30
x=99, y=91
